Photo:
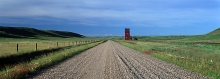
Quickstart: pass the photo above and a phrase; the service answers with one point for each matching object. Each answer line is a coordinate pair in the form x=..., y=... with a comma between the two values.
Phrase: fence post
x=36, y=46
x=48, y=45
x=57, y=44
x=17, y=48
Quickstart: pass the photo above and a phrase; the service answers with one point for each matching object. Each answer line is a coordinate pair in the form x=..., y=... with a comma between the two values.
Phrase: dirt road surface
x=111, y=60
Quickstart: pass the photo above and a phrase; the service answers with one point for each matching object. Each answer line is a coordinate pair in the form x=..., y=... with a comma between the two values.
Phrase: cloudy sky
x=110, y=17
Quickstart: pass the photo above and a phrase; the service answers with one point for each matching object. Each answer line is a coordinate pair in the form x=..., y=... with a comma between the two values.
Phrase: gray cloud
x=161, y=13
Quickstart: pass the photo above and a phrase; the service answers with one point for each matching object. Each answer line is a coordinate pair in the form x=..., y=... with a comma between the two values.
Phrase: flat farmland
x=9, y=46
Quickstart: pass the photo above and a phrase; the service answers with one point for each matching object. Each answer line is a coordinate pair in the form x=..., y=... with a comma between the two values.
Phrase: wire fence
x=9, y=48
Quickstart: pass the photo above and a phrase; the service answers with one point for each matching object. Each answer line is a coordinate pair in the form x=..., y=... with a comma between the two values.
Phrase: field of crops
x=19, y=46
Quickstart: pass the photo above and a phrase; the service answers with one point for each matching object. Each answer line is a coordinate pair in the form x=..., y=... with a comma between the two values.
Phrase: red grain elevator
x=127, y=34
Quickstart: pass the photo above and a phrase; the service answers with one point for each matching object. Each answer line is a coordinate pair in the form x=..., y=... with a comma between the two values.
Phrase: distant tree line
x=134, y=38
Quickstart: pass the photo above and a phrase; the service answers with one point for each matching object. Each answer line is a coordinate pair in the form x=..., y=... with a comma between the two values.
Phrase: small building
x=127, y=34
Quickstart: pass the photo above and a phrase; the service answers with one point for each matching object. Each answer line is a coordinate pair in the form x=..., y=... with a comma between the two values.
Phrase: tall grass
x=200, y=58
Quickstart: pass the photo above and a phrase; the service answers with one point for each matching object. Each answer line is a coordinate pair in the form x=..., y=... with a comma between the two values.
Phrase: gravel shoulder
x=112, y=60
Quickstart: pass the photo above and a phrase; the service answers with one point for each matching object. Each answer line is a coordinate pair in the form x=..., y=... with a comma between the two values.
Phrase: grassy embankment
x=199, y=54
x=24, y=68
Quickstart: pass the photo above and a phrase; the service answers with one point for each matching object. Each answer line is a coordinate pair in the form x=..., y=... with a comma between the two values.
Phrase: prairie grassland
x=9, y=46
x=200, y=58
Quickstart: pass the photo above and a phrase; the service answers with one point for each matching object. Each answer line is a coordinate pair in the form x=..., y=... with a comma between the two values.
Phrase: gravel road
x=111, y=60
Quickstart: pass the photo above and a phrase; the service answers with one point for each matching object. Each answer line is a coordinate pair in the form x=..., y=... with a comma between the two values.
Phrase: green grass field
x=198, y=55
